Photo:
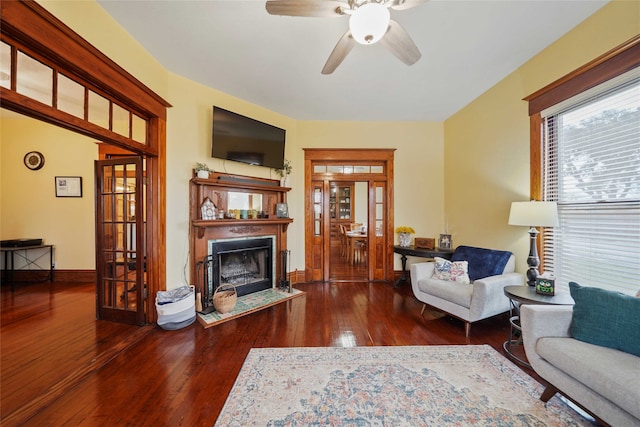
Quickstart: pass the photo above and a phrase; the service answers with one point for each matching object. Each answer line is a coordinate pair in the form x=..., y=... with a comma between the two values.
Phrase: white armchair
x=482, y=298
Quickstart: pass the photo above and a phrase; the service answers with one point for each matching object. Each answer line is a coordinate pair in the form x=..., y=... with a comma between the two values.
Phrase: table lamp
x=533, y=214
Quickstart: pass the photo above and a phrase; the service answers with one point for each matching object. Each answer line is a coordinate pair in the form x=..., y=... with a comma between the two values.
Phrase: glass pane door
x=120, y=238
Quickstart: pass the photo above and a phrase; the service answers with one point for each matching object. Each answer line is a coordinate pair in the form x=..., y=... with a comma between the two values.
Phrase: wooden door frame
x=349, y=156
x=33, y=29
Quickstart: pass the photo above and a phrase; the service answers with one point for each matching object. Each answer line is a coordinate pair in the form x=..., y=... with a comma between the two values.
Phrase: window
x=591, y=168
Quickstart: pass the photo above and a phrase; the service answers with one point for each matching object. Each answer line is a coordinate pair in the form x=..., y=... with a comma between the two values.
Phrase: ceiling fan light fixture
x=369, y=23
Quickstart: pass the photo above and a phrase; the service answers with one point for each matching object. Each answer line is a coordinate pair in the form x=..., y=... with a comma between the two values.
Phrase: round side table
x=524, y=294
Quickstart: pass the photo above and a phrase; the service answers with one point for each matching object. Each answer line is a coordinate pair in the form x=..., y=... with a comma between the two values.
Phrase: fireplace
x=246, y=263
x=242, y=251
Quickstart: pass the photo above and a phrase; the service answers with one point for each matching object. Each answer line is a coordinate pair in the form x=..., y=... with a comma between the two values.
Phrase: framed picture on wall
x=68, y=186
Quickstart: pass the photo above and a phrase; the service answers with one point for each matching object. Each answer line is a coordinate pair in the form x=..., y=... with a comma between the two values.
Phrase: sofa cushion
x=606, y=318
x=456, y=271
x=482, y=262
x=611, y=373
x=459, y=293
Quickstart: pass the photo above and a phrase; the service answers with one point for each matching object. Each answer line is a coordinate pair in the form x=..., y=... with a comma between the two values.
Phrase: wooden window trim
x=617, y=61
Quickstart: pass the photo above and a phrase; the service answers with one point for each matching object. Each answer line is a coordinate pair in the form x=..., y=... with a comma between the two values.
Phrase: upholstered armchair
x=471, y=296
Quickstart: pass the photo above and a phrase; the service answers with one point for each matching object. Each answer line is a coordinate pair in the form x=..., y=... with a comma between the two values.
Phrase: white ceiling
x=236, y=47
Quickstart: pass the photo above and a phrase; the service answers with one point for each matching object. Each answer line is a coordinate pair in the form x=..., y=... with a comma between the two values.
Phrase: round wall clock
x=34, y=160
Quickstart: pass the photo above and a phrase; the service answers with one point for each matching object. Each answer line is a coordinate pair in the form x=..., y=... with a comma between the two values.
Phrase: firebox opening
x=248, y=264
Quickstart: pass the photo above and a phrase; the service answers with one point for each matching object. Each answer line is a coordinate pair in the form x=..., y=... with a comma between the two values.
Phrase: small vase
x=202, y=174
x=284, y=181
x=405, y=239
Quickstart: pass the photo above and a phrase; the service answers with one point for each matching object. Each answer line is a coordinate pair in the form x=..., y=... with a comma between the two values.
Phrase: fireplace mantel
x=216, y=188
x=201, y=225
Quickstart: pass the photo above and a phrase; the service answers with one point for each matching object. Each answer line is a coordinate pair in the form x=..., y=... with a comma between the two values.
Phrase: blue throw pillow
x=606, y=318
x=482, y=262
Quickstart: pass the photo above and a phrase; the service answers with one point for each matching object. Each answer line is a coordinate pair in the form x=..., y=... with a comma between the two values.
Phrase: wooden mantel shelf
x=256, y=184
x=201, y=224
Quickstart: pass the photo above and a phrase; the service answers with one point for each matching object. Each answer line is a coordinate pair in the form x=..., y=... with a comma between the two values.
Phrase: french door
x=120, y=240
x=324, y=166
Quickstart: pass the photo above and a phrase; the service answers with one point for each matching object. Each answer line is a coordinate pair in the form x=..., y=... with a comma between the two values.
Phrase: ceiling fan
x=369, y=22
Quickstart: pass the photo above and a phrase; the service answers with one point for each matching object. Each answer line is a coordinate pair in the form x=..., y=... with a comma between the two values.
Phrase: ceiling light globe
x=369, y=23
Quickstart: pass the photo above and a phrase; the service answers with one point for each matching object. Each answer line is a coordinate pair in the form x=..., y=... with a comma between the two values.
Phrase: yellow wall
x=29, y=207
x=465, y=171
x=94, y=24
x=418, y=164
x=487, y=142
x=418, y=157
x=189, y=141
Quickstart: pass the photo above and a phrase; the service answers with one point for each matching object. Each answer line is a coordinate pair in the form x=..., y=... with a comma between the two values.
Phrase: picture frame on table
x=445, y=242
x=68, y=186
x=282, y=210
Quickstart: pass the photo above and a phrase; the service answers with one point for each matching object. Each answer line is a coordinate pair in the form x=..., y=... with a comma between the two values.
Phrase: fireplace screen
x=246, y=264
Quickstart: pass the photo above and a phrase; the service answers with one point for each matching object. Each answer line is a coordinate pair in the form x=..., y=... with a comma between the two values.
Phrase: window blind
x=591, y=168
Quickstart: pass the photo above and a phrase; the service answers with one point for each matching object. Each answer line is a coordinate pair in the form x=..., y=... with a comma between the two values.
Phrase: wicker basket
x=225, y=298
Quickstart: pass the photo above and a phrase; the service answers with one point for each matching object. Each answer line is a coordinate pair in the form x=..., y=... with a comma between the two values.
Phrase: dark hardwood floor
x=341, y=269
x=59, y=366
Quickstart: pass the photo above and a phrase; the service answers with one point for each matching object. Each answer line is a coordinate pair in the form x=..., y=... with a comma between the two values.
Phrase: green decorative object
x=545, y=286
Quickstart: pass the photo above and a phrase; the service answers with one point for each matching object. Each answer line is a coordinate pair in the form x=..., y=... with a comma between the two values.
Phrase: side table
x=524, y=294
x=30, y=262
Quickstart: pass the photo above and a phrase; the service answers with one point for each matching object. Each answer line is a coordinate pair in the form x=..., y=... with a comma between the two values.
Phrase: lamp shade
x=534, y=214
x=369, y=23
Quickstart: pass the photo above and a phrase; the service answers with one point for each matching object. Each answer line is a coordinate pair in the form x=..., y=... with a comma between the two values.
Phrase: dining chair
x=343, y=240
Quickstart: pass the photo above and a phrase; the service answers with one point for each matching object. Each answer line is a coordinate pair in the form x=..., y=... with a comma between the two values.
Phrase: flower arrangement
x=404, y=235
x=286, y=169
x=405, y=229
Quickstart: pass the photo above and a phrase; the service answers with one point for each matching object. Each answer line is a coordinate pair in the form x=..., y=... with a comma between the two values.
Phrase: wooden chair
x=359, y=250
x=343, y=240
x=356, y=246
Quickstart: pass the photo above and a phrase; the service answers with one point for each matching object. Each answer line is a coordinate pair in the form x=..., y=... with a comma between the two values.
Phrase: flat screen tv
x=242, y=139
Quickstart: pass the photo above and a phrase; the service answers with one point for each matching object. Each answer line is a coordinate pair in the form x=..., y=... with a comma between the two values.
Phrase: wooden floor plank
x=62, y=367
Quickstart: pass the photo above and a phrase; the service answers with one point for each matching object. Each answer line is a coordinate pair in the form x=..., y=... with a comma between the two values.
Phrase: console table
x=9, y=261
x=418, y=252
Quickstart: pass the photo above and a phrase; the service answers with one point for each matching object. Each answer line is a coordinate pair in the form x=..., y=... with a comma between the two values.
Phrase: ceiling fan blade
x=317, y=8
x=342, y=49
x=406, y=4
x=399, y=42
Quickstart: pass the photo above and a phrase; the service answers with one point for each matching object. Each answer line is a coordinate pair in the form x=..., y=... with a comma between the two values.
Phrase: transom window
x=32, y=78
x=348, y=169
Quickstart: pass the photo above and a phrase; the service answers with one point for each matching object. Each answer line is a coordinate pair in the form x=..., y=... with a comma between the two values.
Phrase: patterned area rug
x=388, y=386
x=248, y=304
